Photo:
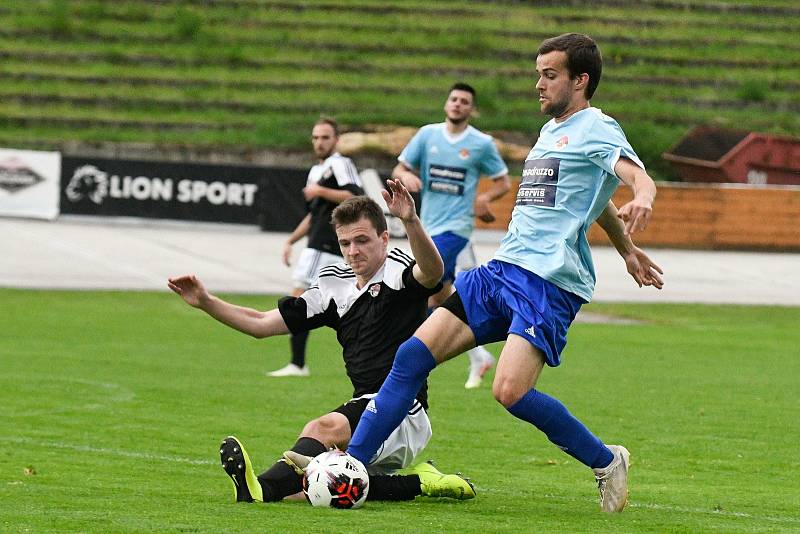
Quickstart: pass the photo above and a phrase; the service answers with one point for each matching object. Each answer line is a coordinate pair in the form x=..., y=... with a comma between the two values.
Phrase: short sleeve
x=399, y=275
x=412, y=153
x=607, y=143
x=492, y=165
x=308, y=311
x=413, y=287
x=346, y=174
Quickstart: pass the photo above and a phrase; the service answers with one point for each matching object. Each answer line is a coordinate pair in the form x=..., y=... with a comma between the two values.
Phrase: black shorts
x=352, y=409
x=454, y=305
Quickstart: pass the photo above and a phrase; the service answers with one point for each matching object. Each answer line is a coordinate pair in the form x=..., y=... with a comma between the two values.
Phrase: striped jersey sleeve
x=399, y=274
x=317, y=306
x=345, y=172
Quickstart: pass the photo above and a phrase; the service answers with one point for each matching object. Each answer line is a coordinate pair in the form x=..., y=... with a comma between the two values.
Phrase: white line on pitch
x=190, y=461
x=672, y=508
x=104, y=450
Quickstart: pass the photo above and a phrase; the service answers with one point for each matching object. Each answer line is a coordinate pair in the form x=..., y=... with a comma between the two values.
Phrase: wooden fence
x=704, y=216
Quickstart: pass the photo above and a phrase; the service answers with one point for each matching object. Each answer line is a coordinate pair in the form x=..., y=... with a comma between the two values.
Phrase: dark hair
x=330, y=121
x=356, y=208
x=583, y=55
x=461, y=86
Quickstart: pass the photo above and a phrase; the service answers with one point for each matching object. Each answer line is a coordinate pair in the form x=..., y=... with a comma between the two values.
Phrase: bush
x=60, y=22
x=752, y=91
x=187, y=24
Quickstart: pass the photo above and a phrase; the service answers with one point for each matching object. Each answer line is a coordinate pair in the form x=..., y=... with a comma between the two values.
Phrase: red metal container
x=708, y=154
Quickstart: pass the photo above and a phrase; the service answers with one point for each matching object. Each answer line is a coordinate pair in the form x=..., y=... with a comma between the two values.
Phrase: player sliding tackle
x=530, y=292
x=374, y=301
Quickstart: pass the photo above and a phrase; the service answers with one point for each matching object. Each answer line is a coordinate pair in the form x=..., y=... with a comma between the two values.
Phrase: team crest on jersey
x=374, y=290
x=433, y=150
x=562, y=142
x=463, y=153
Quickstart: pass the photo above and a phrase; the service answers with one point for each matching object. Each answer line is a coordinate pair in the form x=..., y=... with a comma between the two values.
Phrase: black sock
x=280, y=480
x=393, y=487
x=298, y=344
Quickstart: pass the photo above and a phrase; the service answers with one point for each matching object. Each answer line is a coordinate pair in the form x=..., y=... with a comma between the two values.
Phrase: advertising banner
x=183, y=191
x=29, y=183
x=282, y=205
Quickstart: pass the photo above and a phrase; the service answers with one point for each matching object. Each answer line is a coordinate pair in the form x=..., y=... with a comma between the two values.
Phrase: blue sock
x=551, y=417
x=386, y=411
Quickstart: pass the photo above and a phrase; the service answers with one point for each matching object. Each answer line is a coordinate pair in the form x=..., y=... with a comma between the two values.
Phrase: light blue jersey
x=449, y=168
x=567, y=180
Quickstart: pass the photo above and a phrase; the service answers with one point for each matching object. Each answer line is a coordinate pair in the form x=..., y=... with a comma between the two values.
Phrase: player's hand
x=482, y=211
x=399, y=200
x=411, y=181
x=636, y=215
x=311, y=191
x=287, y=254
x=190, y=288
x=643, y=269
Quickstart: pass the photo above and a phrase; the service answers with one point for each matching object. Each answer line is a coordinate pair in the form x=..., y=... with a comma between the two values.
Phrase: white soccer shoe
x=290, y=370
x=612, y=481
x=480, y=361
x=297, y=461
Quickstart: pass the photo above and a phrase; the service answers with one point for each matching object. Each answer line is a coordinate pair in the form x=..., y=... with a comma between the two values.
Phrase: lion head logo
x=88, y=181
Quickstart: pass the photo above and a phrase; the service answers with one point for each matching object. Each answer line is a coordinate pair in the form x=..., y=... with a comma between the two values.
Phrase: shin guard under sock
x=386, y=411
x=550, y=416
x=393, y=487
x=280, y=480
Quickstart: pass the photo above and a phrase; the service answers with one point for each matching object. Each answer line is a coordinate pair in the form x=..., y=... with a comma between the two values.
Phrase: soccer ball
x=337, y=480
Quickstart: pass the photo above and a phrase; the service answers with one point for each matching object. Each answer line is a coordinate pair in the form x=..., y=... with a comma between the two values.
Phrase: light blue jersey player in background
x=443, y=162
x=530, y=292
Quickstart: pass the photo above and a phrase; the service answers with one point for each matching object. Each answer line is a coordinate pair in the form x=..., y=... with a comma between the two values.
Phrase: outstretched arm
x=643, y=270
x=429, y=268
x=636, y=214
x=252, y=322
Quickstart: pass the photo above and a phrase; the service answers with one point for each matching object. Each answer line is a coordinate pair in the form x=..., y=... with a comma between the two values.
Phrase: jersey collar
x=453, y=139
x=334, y=155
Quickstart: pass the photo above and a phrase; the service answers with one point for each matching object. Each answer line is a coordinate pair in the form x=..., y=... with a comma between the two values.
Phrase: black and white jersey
x=336, y=172
x=370, y=322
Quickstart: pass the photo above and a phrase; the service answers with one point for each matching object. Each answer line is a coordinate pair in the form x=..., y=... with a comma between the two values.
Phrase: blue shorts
x=500, y=298
x=449, y=246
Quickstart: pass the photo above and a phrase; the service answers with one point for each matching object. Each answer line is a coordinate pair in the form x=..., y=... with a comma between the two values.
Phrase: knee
x=506, y=392
x=326, y=429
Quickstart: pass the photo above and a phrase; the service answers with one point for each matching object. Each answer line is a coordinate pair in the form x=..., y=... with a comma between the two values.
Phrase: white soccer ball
x=336, y=479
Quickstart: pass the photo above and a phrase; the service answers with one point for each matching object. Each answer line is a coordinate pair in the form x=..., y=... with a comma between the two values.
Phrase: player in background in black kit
x=374, y=301
x=332, y=180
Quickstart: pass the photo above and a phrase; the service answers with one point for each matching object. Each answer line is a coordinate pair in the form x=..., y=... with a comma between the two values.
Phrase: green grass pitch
x=113, y=404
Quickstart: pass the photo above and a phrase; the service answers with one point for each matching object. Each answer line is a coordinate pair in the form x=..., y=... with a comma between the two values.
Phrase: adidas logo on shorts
x=530, y=331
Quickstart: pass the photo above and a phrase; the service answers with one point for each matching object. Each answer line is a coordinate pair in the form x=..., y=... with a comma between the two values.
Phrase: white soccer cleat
x=474, y=380
x=290, y=370
x=297, y=461
x=481, y=360
x=612, y=481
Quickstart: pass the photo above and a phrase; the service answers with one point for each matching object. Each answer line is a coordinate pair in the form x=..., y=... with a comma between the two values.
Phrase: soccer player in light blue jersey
x=443, y=162
x=530, y=292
